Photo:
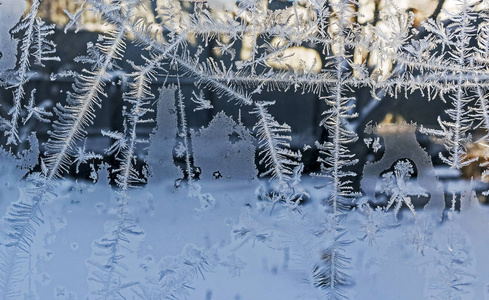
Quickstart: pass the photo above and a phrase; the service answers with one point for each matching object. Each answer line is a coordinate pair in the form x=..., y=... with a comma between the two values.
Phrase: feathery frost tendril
x=80, y=111
x=21, y=220
x=25, y=216
x=110, y=275
x=330, y=274
x=274, y=138
x=455, y=133
x=29, y=25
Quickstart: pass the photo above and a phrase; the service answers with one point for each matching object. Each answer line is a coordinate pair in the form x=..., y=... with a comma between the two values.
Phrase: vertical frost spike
x=335, y=156
x=455, y=132
x=184, y=134
x=138, y=96
x=29, y=25
x=111, y=248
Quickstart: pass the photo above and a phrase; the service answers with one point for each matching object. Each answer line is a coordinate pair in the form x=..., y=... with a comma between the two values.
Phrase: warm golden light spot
x=390, y=118
x=246, y=47
x=298, y=58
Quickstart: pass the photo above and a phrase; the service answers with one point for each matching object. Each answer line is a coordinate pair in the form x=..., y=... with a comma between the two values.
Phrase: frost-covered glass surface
x=167, y=149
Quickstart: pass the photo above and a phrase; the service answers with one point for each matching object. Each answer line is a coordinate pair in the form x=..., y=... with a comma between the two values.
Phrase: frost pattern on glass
x=213, y=149
x=400, y=143
x=233, y=159
x=163, y=139
x=10, y=13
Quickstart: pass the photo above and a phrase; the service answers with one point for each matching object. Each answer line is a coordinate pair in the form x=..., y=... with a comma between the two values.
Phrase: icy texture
x=10, y=13
x=400, y=143
x=162, y=204
x=233, y=159
x=163, y=139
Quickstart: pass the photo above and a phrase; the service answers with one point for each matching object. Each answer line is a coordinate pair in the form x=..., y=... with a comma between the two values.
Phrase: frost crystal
x=398, y=187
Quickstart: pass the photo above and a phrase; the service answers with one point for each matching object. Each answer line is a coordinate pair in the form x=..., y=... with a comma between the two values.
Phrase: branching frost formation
x=439, y=59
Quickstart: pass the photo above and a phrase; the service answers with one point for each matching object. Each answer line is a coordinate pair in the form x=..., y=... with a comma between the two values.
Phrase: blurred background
x=300, y=110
